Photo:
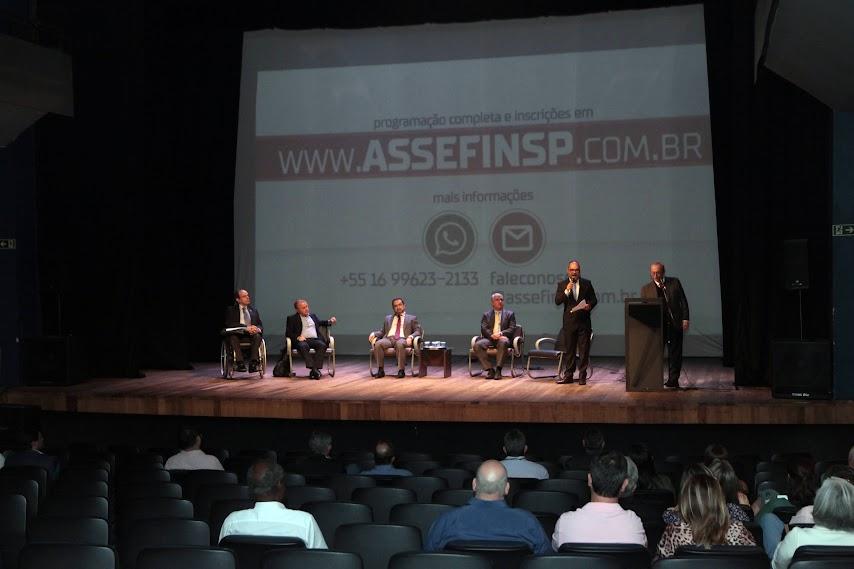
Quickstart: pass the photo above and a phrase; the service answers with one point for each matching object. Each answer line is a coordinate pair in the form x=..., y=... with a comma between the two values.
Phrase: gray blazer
x=410, y=327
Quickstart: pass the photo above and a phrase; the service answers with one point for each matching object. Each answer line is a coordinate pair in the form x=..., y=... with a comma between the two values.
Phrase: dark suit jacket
x=508, y=323
x=293, y=327
x=580, y=319
x=675, y=301
x=410, y=326
x=232, y=316
x=35, y=458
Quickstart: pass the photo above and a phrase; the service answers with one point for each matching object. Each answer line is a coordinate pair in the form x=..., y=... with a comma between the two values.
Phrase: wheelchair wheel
x=262, y=359
x=226, y=361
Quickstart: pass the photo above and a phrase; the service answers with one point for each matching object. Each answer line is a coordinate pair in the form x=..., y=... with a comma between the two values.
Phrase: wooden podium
x=644, y=344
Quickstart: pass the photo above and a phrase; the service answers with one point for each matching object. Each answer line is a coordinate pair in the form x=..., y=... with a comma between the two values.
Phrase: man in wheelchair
x=247, y=321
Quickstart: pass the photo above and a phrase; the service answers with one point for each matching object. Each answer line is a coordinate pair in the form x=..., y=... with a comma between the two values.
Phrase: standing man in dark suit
x=304, y=330
x=676, y=317
x=399, y=331
x=578, y=299
x=497, y=327
x=243, y=315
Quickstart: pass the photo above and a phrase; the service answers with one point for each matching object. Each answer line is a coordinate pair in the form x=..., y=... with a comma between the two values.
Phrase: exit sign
x=7, y=244
x=843, y=230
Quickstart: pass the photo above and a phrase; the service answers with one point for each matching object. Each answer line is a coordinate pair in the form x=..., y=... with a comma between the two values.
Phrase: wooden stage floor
x=709, y=397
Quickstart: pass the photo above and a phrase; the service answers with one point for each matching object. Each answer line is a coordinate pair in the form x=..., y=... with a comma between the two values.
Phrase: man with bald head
x=578, y=299
x=384, y=462
x=487, y=516
x=270, y=517
x=676, y=320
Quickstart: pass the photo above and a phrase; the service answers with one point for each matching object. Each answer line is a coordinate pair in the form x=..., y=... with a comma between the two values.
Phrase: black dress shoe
x=314, y=374
x=490, y=373
x=401, y=373
x=582, y=379
x=498, y=372
x=672, y=384
x=253, y=367
x=240, y=366
x=564, y=380
x=380, y=372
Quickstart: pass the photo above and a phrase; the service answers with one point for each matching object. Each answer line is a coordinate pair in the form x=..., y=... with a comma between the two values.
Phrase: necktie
x=246, y=319
x=496, y=325
x=397, y=329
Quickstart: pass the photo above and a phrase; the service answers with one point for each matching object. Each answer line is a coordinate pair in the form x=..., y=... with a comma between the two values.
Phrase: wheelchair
x=227, y=357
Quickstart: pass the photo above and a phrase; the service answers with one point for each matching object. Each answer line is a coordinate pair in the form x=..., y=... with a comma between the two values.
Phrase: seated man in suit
x=303, y=328
x=398, y=332
x=31, y=453
x=497, y=327
x=243, y=315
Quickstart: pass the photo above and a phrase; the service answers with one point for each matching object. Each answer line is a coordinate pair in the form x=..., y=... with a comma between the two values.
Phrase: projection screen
x=441, y=163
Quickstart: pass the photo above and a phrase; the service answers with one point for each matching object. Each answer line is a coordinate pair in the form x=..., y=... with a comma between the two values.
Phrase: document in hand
x=580, y=306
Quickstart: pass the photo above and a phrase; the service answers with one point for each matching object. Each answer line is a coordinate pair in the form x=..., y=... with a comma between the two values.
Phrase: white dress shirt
x=273, y=518
x=192, y=460
x=309, y=330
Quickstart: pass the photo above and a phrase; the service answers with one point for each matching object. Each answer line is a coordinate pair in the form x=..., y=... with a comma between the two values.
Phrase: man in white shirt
x=516, y=464
x=497, y=327
x=269, y=516
x=191, y=456
x=602, y=520
x=399, y=332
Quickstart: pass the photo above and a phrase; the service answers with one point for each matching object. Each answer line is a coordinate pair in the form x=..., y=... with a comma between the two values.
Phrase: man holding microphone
x=676, y=320
x=578, y=299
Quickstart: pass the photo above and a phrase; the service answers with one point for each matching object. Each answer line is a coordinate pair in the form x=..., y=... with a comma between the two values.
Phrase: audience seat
x=344, y=484
x=438, y=560
x=82, y=531
x=423, y=486
x=565, y=561
x=577, y=488
x=192, y=480
x=545, y=501
x=824, y=552
x=186, y=558
x=713, y=563
x=630, y=555
x=249, y=550
x=74, y=506
x=207, y=494
x=419, y=515
x=331, y=515
x=29, y=489
x=455, y=477
x=13, y=528
x=381, y=500
x=298, y=495
x=310, y=559
x=67, y=556
x=161, y=533
x=419, y=467
x=457, y=497
x=377, y=543
x=151, y=490
x=500, y=554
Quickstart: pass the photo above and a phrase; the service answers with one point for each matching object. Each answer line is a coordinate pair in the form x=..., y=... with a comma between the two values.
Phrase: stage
x=709, y=397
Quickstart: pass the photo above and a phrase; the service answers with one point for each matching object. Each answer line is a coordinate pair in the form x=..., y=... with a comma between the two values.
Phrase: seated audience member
x=384, y=462
x=593, y=442
x=191, y=456
x=804, y=515
x=719, y=451
x=736, y=512
x=723, y=471
x=648, y=479
x=31, y=453
x=488, y=517
x=320, y=462
x=632, y=478
x=834, y=522
x=517, y=466
x=801, y=481
x=2, y=460
x=602, y=520
x=703, y=519
x=270, y=516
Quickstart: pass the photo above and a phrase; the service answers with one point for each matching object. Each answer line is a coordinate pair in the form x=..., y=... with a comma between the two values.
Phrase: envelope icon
x=517, y=238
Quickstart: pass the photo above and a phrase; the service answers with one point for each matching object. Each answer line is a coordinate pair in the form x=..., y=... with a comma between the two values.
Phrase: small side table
x=435, y=357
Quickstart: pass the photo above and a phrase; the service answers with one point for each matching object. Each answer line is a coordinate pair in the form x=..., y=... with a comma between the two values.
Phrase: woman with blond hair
x=703, y=519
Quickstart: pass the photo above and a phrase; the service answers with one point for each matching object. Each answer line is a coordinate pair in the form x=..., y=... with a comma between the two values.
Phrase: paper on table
x=580, y=306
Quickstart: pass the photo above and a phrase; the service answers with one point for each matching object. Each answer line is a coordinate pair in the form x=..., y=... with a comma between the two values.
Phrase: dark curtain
x=135, y=192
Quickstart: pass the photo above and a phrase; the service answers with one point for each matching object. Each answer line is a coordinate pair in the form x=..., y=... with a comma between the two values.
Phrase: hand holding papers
x=580, y=306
